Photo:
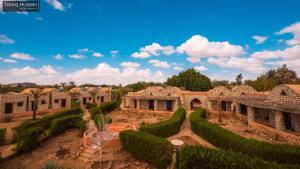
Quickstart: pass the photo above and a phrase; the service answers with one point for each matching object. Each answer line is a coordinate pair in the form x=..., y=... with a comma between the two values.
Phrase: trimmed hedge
x=166, y=128
x=2, y=136
x=61, y=124
x=29, y=139
x=45, y=122
x=154, y=150
x=220, y=137
x=198, y=157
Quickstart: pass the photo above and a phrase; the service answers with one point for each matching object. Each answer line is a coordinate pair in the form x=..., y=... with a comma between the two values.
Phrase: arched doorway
x=195, y=103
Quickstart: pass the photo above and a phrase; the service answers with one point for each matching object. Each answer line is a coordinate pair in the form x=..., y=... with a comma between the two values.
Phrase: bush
x=45, y=122
x=99, y=119
x=29, y=139
x=90, y=105
x=2, y=136
x=223, y=138
x=155, y=150
x=107, y=107
x=166, y=128
x=198, y=157
x=51, y=165
x=75, y=104
x=61, y=124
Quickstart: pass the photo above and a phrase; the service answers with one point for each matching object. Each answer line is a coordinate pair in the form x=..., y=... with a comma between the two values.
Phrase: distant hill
x=24, y=84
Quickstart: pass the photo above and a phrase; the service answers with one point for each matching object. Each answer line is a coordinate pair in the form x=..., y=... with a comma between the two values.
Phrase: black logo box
x=21, y=6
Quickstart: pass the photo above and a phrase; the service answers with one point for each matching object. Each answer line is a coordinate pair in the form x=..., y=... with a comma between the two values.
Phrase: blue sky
x=125, y=41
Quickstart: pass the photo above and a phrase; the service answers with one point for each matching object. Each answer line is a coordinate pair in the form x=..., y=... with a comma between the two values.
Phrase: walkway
x=187, y=135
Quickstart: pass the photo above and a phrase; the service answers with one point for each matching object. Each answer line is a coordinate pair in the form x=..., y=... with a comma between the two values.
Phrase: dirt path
x=187, y=135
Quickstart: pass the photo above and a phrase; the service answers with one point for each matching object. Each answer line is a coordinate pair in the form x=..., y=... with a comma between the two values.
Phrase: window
x=221, y=94
x=243, y=94
x=20, y=104
x=98, y=98
x=169, y=94
x=90, y=98
x=43, y=102
x=56, y=101
x=283, y=93
x=150, y=94
x=102, y=99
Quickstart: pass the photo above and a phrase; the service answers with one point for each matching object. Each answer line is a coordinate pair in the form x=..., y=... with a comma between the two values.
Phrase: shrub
x=107, y=107
x=51, y=165
x=90, y=105
x=198, y=157
x=29, y=139
x=75, y=104
x=45, y=122
x=166, y=128
x=99, y=119
x=155, y=150
x=223, y=138
x=2, y=135
x=61, y=124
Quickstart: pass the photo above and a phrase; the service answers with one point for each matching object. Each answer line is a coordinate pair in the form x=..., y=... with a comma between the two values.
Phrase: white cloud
x=21, y=56
x=199, y=47
x=97, y=54
x=6, y=40
x=56, y=4
x=290, y=53
x=292, y=64
x=39, y=18
x=154, y=49
x=130, y=64
x=253, y=65
x=293, y=29
x=114, y=53
x=58, y=56
x=200, y=68
x=84, y=50
x=77, y=56
x=259, y=39
x=178, y=68
x=158, y=63
x=193, y=59
x=9, y=61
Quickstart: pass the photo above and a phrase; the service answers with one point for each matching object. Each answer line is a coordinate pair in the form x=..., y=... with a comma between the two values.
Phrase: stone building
x=276, y=110
x=53, y=100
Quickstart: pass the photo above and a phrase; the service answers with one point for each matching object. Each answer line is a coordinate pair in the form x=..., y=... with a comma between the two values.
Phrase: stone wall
x=296, y=122
x=283, y=93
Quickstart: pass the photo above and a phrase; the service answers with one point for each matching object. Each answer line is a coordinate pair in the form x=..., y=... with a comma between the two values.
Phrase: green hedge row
x=61, y=124
x=155, y=150
x=45, y=122
x=30, y=133
x=2, y=136
x=198, y=157
x=29, y=139
x=166, y=128
x=282, y=153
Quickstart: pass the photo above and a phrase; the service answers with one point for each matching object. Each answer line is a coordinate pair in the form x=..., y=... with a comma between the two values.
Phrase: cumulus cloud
x=253, y=65
x=21, y=56
x=292, y=64
x=77, y=56
x=158, y=63
x=178, y=68
x=114, y=53
x=6, y=40
x=103, y=73
x=9, y=61
x=293, y=29
x=259, y=39
x=154, y=49
x=97, y=54
x=57, y=5
x=130, y=64
x=58, y=56
x=199, y=47
x=200, y=68
x=289, y=53
x=84, y=50
x=193, y=59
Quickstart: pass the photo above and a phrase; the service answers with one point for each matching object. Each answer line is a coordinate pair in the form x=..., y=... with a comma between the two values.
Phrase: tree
x=283, y=75
x=93, y=92
x=63, y=84
x=216, y=83
x=190, y=80
x=239, y=79
x=142, y=85
x=262, y=83
x=36, y=94
x=72, y=84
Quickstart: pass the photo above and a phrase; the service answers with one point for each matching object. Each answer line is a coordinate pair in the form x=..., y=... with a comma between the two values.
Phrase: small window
x=98, y=98
x=283, y=93
x=90, y=98
x=243, y=94
x=169, y=94
x=102, y=99
x=56, y=101
x=20, y=104
x=43, y=102
x=221, y=94
x=150, y=94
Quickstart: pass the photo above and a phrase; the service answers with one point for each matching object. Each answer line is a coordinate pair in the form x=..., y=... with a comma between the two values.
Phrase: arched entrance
x=195, y=103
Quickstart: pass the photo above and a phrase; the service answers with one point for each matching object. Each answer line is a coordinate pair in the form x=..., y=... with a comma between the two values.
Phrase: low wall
x=276, y=134
x=224, y=114
x=148, y=112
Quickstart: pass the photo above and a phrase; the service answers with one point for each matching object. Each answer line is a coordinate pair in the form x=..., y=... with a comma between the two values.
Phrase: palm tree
x=36, y=94
x=93, y=92
x=72, y=84
x=63, y=84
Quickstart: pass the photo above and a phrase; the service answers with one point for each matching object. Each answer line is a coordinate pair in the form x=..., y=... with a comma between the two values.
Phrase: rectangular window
x=102, y=99
x=56, y=101
x=43, y=102
x=90, y=98
x=20, y=104
x=98, y=98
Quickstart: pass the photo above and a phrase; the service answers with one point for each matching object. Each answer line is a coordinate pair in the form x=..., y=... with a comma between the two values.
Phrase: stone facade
x=21, y=104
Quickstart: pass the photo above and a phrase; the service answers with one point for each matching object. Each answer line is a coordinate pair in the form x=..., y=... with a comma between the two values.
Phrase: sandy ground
x=239, y=127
